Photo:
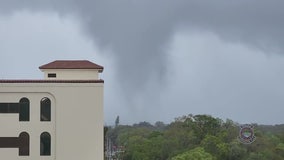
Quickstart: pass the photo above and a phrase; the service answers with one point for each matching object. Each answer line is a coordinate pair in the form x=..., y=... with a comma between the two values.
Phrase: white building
x=59, y=117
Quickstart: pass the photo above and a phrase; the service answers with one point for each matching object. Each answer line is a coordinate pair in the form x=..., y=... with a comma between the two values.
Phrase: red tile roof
x=72, y=64
x=50, y=81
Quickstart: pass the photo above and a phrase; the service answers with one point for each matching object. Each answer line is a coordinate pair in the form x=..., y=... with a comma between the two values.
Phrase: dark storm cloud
x=137, y=31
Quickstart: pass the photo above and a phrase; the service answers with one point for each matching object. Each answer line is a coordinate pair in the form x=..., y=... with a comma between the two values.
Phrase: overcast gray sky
x=162, y=58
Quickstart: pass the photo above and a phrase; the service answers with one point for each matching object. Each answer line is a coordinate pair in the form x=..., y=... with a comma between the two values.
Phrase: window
x=24, y=109
x=45, y=109
x=9, y=107
x=24, y=144
x=45, y=144
x=51, y=75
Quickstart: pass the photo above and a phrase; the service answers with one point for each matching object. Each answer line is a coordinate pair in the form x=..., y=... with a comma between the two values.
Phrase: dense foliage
x=199, y=137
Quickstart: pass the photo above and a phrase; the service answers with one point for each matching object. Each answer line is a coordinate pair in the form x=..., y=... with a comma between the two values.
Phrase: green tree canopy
x=194, y=154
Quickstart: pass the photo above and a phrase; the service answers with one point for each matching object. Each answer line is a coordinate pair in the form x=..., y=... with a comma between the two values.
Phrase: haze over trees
x=194, y=137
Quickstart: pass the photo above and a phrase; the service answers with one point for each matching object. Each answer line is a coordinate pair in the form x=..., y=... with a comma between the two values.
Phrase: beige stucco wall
x=76, y=127
x=77, y=74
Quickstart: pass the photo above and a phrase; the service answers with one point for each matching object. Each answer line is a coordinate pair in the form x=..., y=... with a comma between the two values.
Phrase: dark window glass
x=45, y=144
x=45, y=109
x=24, y=110
x=9, y=107
x=51, y=75
x=24, y=144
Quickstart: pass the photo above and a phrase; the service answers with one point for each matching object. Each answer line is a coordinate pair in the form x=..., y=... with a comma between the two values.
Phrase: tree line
x=192, y=137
